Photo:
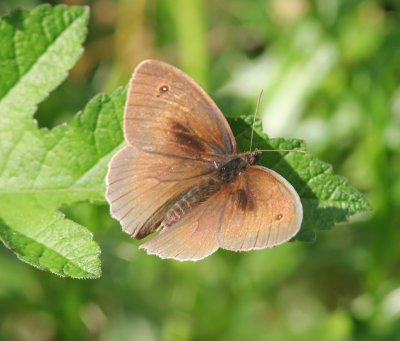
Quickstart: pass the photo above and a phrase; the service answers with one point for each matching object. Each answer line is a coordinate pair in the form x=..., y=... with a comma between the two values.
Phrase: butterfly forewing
x=262, y=210
x=168, y=113
x=142, y=186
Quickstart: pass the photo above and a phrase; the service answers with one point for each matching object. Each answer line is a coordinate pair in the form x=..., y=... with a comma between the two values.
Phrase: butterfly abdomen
x=226, y=173
x=191, y=199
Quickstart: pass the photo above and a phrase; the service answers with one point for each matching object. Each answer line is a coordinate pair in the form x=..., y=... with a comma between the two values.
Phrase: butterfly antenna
x=284, y=150
x=254, y=119
x=252, y=133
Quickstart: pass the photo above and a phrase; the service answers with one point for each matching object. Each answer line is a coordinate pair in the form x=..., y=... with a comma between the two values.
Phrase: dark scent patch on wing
x=245, y=202
x=180, y=127
x=241, y=198
x=190, y=141
x=279, y=216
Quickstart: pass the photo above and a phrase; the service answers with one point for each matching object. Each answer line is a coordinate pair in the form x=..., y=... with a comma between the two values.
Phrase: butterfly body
x=181, y=173
x=225, y=174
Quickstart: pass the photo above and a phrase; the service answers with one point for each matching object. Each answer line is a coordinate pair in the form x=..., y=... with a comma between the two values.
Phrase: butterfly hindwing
x=194, y=237
x=262, y=210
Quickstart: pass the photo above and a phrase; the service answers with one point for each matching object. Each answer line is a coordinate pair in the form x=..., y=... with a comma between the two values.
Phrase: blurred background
x=330, y=71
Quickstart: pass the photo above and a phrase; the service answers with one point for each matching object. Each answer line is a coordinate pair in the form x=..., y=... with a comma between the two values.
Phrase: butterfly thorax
x=237, y=165
x=226, y=173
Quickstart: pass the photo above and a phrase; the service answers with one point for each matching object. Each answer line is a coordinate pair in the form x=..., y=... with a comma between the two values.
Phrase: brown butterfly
x=181, y=173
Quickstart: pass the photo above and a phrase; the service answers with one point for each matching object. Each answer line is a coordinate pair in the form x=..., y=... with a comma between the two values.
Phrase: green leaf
x=326, y=198
x=40, y=170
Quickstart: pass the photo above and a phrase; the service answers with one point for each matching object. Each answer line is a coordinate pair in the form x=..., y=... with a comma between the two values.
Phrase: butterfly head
x=253, y=157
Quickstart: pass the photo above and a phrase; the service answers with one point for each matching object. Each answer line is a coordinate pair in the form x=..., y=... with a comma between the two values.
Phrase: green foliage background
x=330, y=74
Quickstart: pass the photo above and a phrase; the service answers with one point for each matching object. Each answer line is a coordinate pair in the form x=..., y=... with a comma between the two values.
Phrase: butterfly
x=181, y=175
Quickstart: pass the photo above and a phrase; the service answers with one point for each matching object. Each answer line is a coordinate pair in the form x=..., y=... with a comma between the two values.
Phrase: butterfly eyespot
x=163, y=88
x=279, y=217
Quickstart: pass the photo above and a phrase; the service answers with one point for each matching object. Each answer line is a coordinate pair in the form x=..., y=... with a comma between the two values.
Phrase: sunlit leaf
x=42, y=170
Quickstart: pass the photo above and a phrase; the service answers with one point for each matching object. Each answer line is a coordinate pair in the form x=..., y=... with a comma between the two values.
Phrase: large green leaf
x=42, y=170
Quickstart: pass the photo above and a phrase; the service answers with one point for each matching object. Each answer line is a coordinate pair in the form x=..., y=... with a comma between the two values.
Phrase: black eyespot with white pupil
x=164, y=88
